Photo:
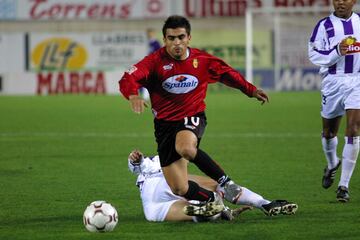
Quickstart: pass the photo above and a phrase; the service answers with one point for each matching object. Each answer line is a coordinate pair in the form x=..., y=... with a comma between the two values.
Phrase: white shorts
x=338, y=94
x=157, y=198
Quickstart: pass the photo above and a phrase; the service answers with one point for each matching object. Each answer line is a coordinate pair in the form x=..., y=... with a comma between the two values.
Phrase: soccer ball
x=100, y=216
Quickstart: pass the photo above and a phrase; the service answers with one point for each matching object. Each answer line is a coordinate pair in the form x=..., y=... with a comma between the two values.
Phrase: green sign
x=230, y=45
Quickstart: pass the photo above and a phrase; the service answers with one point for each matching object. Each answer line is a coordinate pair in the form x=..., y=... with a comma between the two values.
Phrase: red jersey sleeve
x=136, y=77
x=222, y=72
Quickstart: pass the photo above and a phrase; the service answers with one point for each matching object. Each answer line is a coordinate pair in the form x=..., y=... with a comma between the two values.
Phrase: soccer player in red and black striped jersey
x=177, y=78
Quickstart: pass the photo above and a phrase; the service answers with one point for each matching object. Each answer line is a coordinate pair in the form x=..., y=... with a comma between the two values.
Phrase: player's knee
x=353, y=130
x=187, y=152
x=328, y=134
x=353, y=126
x=179, y=190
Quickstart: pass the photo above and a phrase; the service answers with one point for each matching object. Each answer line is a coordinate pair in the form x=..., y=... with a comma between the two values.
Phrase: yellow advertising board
x=105, y=51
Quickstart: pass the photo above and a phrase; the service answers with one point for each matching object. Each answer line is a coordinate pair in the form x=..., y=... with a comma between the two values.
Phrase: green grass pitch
x=59, y=153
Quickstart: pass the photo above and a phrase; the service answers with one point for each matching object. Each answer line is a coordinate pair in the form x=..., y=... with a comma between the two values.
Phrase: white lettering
x=195, y=121
x=354, y=48
x=180, y=84
x=298, y=80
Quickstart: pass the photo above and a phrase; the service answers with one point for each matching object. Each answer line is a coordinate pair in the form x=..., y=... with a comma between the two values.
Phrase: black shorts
x=165, y=134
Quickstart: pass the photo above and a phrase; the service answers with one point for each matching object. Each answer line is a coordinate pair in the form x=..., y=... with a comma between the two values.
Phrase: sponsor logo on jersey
x=350, y=40
x=131, y=70
x=179, y=84
x=195, y=63
x=355, y=48
x=168, y=67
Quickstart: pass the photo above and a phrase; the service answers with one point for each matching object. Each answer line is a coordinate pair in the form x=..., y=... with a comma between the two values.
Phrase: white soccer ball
x=100, y=216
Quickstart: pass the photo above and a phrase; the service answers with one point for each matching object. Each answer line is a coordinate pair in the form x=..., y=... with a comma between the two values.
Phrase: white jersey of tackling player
x=148, y=167
x=323, y=45
x=341, y=74
x=155, y=193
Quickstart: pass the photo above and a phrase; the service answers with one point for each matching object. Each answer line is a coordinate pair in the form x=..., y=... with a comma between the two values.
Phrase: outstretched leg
x=243, y=196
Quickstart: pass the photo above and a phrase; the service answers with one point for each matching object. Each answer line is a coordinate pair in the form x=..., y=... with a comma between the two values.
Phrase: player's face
x=176, y=41
x=343, y=8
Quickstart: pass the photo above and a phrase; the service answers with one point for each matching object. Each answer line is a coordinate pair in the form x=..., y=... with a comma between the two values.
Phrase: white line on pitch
x=150, y=135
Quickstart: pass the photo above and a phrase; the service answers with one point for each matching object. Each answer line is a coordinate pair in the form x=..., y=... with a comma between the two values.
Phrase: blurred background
x=83, y=47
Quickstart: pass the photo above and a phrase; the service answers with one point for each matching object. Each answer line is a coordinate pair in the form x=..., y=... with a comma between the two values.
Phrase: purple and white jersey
x=324, y=41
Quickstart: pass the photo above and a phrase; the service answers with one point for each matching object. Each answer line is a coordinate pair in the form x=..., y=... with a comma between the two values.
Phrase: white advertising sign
x=57, y=83
x=86, y=51
x=140, y=9
x=8, y=9
x=12, y=53
x=91, y=9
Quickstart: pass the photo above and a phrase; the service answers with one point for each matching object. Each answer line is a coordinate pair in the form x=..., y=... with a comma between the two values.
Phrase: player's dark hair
x=176, y=21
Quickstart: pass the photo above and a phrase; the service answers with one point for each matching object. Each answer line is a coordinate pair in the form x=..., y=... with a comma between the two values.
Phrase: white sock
x=350, y=155
x=250, y=198
x=329, y=148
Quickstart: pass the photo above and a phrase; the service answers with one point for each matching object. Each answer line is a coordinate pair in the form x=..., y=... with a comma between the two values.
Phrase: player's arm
x=236, y=80
x=132, y=80
x=222, y=72
x=319, y=51
x=134, y=161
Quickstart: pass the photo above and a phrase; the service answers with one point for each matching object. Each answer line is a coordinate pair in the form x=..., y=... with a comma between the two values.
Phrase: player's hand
x=138, y=104
x=136, y=156
x=343, y=47
x=260, y=95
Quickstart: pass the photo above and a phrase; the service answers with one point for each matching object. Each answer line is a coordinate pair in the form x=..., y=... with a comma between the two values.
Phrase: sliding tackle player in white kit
x=161, y=204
